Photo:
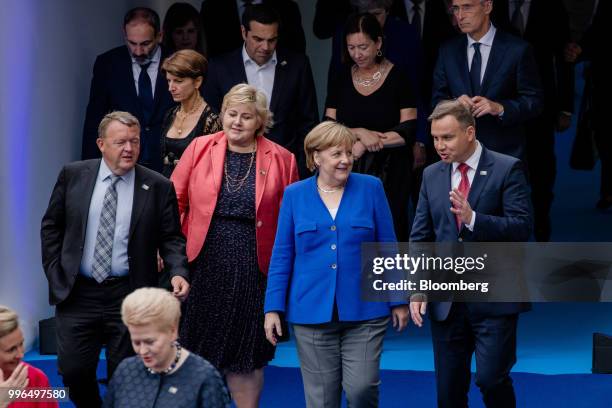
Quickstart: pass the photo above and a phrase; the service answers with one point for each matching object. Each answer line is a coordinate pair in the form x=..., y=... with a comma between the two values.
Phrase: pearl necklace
x=182, y=115
x=172, y=366
x=332, y=190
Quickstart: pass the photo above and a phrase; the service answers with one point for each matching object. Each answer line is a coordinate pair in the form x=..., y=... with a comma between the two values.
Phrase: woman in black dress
x=229, y=186
x=193, y=117
x=373, y=98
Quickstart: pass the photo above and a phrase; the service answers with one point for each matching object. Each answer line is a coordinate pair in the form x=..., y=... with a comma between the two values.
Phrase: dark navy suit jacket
x=500, y=197
x=113, y=88
x=293, y=101
x=511, y=79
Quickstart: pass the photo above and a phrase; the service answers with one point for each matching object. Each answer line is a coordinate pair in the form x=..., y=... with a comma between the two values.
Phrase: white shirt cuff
x=471, y=225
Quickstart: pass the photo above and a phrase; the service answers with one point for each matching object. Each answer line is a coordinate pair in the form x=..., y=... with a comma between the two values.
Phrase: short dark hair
x=456, y=109
x=364, y=23
x=262, y=13
x=142, y=13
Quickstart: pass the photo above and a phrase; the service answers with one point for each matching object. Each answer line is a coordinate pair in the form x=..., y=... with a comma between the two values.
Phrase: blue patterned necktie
x=103, y=252
x=145, y=92
x=475, y=70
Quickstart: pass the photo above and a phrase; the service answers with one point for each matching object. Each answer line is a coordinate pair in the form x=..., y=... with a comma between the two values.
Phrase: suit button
x=333, y=247
x=148, y=129
x=333, y=228
x=460, y=239
x=334, y=266
x=259, y=224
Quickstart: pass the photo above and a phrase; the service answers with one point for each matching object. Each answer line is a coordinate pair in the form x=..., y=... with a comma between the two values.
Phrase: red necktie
x=464, y=187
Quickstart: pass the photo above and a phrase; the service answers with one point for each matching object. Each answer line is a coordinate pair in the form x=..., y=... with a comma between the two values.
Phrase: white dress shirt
x=260, y=76
x=472, y=163
x=152, y=70
x=125, y=199
x=486, y=42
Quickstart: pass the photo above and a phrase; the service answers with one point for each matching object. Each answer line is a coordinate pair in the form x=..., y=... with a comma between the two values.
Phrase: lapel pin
x=145, y=187
x=262, y=172
x=172, y=390
x=283, y=63
x=483, y=172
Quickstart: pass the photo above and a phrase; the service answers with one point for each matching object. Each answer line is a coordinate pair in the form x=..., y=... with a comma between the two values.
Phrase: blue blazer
x=500, y=197
x=317, y=259
x=511, y=79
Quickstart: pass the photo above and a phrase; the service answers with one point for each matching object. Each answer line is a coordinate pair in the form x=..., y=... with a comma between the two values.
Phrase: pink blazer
x=199, y=176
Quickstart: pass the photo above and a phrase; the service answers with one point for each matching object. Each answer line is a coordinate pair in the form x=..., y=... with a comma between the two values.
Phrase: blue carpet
x=283, y=388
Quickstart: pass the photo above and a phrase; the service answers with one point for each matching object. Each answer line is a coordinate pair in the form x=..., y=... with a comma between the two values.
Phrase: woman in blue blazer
x=314, y=276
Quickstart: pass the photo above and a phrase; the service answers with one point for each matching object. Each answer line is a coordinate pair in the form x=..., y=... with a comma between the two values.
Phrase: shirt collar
x=487, y=39
x=105, y=173
x=473, y=160
x=247, y=60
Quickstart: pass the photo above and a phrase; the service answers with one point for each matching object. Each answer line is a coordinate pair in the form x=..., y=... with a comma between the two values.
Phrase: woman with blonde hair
x=229, y=187
x=163, y=373
x=315, y=273
x=14, y=373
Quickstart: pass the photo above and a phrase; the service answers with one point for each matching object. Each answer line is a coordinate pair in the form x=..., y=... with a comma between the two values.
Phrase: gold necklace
x=234, y=184
x=182, y=115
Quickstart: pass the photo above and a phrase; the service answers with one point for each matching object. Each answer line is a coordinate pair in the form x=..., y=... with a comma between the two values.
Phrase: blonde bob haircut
x=151, y=306
x=245, y=93
x=9, y=321
x=325, y=135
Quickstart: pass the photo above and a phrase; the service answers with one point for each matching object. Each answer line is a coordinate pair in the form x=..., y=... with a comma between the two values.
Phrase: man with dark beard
x=127, y=78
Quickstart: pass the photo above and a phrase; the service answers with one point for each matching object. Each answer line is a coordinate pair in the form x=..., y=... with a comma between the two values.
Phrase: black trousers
x=87, y=320
x=542, y=169
x=492, y=340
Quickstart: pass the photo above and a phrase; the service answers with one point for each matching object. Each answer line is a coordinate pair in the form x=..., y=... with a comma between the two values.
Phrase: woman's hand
x=400, y=317
x=272, y=324
x=18, y=379
x=371, y=140
x=358, y=150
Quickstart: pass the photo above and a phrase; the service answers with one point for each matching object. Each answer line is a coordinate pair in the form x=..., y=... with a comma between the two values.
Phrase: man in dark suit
x=492, y=72
x=547, y=30
x=128, y=78
x=472, y=194
x=284, y=77
x=591, y=48
x=222, y=20
x=106, y=221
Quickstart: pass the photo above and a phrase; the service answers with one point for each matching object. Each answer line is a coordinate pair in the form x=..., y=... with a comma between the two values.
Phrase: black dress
x=380, y=112
x=172, y=149
x=223, y=314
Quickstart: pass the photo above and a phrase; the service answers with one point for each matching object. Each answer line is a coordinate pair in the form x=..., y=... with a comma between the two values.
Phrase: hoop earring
x=379, y=53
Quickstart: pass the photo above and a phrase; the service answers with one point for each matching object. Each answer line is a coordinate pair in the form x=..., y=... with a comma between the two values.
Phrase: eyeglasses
x=465, y=9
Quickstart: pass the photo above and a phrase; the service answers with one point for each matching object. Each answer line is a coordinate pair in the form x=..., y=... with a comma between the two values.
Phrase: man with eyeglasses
x=493, y=73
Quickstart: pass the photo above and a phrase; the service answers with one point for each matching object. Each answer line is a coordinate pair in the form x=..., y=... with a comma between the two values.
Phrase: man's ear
x=243, y=30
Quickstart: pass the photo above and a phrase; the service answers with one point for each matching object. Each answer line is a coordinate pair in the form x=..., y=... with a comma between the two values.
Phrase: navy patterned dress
x=195, y=384
x=223, y=314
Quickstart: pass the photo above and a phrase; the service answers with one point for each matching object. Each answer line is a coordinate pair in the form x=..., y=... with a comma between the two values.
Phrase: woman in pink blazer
x=229, y=187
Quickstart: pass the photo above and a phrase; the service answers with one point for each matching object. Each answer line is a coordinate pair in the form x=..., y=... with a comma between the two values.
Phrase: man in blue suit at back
x=493, y=73
x=129, y=78
x=472, y=194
